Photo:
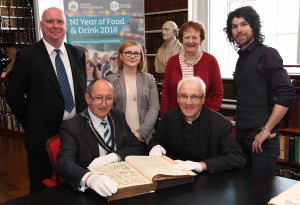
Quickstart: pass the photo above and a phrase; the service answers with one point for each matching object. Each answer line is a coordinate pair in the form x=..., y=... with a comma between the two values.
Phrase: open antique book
x=143, y=174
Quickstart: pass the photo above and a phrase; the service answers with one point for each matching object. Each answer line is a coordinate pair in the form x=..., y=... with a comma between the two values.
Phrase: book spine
x=292, y=149
x=286, y=148
x=282, y=146
x=297, y=149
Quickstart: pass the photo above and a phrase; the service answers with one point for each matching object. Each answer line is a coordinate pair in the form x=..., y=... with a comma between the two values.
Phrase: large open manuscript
x=143, y=174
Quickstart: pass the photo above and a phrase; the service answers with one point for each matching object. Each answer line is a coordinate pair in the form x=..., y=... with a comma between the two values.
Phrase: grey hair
x=194, y=79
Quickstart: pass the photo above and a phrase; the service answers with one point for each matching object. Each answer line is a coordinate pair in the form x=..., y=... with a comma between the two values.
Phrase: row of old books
x=3, y=105
x=156, y=5
x=289, y=148
x=229, y=90
x=8, y=2
x=153, y=42
x=9, y=121
x=288, y=172
x=20, y=12
x=155, y=22
x=13, y=23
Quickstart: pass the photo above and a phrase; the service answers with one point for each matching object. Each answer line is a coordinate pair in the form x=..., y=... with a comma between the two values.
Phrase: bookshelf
x=157, y=12
x=289, y=160
x=9, y=124
x=16, y=27
x=17, y=22
x=16, y=31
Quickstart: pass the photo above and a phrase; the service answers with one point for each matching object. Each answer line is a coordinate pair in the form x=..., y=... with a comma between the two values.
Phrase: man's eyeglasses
x=193, y=98
x=129, y=53
x=108, y=100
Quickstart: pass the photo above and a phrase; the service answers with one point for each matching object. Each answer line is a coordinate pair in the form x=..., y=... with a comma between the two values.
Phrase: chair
x=233, y=131
x=52, y=147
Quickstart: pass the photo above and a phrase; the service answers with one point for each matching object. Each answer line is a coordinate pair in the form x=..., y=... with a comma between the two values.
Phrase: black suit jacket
x=34, y=95
x=79, y=148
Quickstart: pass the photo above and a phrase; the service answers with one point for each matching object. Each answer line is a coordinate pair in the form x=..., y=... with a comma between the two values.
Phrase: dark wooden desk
x=229, y=188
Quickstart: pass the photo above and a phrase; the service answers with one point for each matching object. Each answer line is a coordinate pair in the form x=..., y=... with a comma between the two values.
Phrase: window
x=280, y=25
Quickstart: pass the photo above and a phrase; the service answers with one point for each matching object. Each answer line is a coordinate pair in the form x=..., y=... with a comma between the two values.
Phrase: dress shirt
x=65, y=60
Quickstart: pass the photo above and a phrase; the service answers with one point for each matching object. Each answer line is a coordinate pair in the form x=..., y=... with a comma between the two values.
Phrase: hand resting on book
x=157, y=151
x=188, y=165
x=103, y=160
x=102, y=184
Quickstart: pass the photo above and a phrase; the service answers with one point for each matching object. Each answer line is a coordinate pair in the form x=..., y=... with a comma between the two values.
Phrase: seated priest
x=197, y=138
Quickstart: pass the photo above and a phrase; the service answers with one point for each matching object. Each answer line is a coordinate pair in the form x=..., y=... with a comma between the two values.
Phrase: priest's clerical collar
x=190, y=121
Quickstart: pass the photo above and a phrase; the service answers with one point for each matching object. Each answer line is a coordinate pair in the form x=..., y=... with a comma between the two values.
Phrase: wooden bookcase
x=9, y=125
x=17, y=22
x=16, y=30
x=157, y=12
x=291, y=129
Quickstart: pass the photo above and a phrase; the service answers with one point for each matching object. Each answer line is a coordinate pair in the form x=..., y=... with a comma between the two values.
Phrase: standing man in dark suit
x=34, y=92
x=99, y=135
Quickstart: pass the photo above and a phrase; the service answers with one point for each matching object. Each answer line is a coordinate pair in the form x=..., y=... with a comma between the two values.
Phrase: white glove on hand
x=103, y=160
x=157, y=151
x=188, y=165
x=102, y=184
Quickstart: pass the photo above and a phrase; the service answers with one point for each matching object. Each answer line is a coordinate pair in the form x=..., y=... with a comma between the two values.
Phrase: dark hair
x=192, y=24
x=252, y=17
x=95, y=69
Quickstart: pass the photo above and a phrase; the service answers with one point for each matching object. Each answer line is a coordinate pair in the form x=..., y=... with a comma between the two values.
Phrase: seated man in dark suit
x=97, y=136
x=201, y=139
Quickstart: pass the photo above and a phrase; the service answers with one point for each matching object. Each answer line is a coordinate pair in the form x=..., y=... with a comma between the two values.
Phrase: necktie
x=107, y=136
x=63, y=82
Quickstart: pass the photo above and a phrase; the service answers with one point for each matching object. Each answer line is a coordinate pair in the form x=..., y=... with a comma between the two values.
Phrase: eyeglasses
x=108, y=100
x=135, y=54
x=113, y=58
x=193, y=98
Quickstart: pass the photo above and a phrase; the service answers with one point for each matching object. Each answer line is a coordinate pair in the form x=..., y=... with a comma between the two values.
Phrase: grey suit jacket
x=147, y=99
x=34, y=95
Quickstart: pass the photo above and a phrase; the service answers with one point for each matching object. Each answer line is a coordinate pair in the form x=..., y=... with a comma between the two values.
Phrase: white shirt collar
x=95, y=120
x=195, y=118
x=50, y=48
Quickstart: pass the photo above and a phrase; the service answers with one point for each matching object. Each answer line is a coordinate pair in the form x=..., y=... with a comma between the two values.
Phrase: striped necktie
x=64, y=82
x=107, y=135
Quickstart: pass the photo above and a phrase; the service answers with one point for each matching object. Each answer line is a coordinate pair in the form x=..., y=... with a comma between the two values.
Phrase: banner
x=101, y=26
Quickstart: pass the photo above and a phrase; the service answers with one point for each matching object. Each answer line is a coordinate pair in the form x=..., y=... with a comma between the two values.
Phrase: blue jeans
x=265, y=162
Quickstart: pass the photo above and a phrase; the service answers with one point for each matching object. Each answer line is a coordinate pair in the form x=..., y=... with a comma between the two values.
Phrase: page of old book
x=291, y=196
x=157, y=168
x=122, y=173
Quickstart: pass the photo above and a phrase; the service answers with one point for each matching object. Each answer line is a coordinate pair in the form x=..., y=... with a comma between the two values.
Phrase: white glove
x=157, y=151
x=103, y=160
x=102, y=184
x=188, y=165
